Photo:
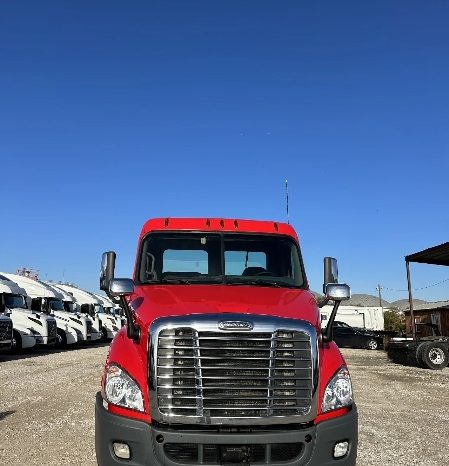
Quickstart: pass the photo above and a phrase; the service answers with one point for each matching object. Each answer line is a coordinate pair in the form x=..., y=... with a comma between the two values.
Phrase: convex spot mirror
x=121, y=287
x=338, y=292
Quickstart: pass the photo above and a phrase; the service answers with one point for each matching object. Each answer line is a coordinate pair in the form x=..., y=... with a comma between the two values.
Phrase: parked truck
x=430, y=352
x=104, y=328
x=112, y=309
x=222, y=360
x=44, y=300
x=30, y=328
x=6, y=328
x=64, y=308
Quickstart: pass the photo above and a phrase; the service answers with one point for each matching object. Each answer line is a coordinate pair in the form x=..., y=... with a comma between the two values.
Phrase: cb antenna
x=286, y=199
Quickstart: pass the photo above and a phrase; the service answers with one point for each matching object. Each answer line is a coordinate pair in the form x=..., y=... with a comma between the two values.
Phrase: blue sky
x=114, y=112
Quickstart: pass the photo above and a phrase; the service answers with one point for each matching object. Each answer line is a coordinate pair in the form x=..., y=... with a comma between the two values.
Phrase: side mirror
x=334, y=291
x=338, y=292
x=330, y=272
x=107, y=269
x=121, y=287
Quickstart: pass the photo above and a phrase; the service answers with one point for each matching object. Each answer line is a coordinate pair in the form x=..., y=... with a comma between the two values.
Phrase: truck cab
x=30, y=328
x=222, y=360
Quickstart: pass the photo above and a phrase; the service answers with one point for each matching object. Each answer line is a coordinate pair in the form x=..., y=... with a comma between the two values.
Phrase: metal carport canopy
x=438, y=255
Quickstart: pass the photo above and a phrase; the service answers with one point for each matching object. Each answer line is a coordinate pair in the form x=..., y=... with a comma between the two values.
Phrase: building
x=429, y=318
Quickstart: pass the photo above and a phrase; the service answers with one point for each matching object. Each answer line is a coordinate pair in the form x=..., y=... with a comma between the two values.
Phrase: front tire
x=435, y=355
x=16, y=346
x=372, y=344
x=61, y=341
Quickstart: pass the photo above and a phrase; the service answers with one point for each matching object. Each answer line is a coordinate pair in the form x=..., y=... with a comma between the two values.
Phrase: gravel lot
x=47, y=409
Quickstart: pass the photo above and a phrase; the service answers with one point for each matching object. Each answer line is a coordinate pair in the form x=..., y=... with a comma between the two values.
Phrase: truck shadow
x=5, y=414
x=43, y=351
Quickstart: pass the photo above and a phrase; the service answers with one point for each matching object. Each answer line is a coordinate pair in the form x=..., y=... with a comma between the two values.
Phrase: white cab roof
x=105, y=301
x=8, y=286
x=81, y=296
x=61, y=294
x=33, y=288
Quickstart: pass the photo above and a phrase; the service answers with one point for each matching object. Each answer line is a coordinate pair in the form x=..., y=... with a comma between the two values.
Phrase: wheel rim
x=372, y=344
x=436, y=356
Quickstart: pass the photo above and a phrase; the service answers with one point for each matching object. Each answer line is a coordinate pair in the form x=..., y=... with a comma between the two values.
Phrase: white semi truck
x=113, y=309
x=65, y=309
x=6, y=329
x=89, y=304
x=44, y=300
x=30, y=328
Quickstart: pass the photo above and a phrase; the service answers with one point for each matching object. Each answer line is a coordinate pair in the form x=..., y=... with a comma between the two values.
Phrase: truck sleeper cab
x=222, y=360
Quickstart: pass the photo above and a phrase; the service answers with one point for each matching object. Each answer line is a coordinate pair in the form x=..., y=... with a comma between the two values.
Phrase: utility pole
x=379, y=289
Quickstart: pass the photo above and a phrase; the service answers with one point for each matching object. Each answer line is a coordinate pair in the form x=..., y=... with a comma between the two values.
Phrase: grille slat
x=201, y=373
x=52, y=329
x=5, y=330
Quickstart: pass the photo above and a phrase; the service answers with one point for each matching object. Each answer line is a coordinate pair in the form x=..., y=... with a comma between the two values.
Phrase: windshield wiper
x=176, y=281
x=256, y=283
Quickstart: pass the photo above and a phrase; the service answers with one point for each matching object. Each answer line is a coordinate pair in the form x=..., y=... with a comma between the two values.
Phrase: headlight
x=121, y=390
x=338, y=393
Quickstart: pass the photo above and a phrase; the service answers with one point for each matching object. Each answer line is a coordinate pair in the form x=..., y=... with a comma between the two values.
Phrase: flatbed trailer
x=431, y=352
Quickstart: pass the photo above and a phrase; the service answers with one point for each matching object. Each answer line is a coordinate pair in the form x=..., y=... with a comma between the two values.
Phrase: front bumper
x=147, y=442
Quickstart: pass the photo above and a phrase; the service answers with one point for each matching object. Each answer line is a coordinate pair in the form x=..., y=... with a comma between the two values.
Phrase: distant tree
x=394, y=320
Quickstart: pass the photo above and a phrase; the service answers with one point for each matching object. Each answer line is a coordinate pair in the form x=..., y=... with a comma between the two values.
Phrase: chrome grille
x=208, y=375
x=5, y=330
x=52, y=328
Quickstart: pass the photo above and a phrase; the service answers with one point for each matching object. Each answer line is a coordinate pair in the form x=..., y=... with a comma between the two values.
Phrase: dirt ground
x=47, y=409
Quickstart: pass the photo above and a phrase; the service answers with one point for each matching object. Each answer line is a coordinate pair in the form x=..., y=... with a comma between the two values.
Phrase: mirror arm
x=133, y=330
x=328, y=334
x=113, y=298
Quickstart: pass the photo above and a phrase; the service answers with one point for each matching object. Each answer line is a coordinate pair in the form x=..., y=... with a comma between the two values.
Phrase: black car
x=351, y=337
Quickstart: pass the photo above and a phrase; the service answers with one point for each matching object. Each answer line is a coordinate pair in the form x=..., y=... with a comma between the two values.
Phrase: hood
x=153, y=301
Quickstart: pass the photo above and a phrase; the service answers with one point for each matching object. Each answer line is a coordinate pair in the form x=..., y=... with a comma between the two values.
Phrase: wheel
x=372, y=344
x=435, y=355
x=16, y=342
x=61, y=340
x=420, y=355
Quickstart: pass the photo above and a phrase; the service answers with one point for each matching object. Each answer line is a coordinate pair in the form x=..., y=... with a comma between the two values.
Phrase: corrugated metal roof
x=441, y=305
x=438, y=255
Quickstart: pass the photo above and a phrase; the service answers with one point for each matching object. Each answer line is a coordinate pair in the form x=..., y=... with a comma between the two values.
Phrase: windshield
x=229, y=258
x=98, y=308
x=55, y=304
x=69, y=306
x=15, y=301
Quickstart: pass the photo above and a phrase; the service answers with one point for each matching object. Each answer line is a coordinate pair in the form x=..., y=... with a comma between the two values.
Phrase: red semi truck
x=222, y=360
